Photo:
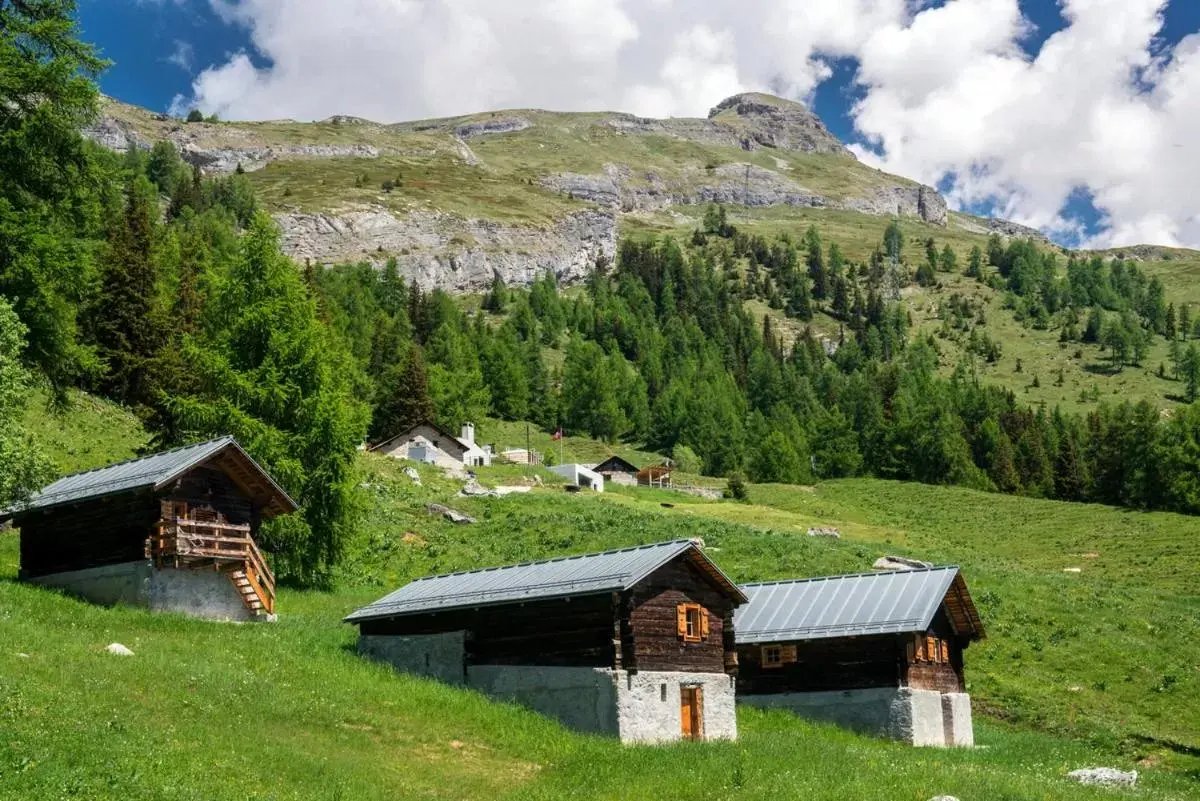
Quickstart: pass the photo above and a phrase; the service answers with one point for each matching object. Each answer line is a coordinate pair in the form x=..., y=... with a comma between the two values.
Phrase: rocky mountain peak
x=776, y=122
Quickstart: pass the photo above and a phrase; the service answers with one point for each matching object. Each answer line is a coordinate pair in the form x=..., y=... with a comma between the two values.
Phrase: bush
x=195, y=115
x=686, y=460
x=736, y=487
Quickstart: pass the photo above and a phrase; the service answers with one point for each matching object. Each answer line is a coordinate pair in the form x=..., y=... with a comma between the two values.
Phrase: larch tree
x=23, y=468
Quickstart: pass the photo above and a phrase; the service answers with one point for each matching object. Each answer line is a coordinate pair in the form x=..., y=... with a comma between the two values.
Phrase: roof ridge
x=136, y=459
x=777, y=582
x=627, y=549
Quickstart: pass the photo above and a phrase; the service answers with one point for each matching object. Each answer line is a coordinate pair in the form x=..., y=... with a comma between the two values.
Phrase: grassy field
x=89, y=432
x=283, y=711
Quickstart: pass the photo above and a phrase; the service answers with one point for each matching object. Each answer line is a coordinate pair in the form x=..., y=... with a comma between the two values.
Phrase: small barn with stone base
x=881, y=653
x=174, y=532
x=635, y=643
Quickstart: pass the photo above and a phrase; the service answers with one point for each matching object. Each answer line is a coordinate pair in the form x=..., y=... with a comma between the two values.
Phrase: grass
x=89, y=432
x=287, y=711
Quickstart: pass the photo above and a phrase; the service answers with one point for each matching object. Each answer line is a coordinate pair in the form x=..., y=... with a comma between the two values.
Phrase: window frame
x=692, y=617
x=772, y=650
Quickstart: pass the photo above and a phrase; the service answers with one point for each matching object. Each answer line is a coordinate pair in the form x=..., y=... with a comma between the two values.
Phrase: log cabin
x=635, y=643
x=881, y=653
x=618, y=471
x=175, y=531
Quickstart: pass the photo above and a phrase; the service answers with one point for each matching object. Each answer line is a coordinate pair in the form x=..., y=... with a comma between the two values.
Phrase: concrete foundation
x=956, y=720
x=203, y=594
x=917, y=717
x=584, y=699
x=648, y=705
x=439, y=656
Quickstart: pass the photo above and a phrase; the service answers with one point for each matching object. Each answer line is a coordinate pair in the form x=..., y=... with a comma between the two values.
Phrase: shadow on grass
x=1096, y=368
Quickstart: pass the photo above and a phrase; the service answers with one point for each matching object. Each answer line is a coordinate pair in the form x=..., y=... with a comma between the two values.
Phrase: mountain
x=517, y=193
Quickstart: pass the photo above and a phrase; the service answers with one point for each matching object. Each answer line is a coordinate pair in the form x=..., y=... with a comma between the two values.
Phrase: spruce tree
x=403, y=400
x=816, y=264
x=975, y=263
x=127, y=324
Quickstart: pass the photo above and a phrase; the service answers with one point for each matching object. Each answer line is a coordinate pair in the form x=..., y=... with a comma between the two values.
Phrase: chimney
x=468, y=433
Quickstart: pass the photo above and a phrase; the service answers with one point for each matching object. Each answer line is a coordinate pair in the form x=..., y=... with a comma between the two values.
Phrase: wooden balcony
x=225, y=547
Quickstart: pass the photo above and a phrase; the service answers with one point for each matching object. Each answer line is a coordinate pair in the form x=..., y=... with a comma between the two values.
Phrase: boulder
x=452, y=515
x=825, y=532
x=900, y=563
x=116, y=649
x=412, y=473
x=1105, y=777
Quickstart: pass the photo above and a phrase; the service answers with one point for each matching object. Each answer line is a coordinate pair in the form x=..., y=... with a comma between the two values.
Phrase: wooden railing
x=228, y=547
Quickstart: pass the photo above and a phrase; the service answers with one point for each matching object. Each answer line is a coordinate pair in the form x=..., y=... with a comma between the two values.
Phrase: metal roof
x=850, y=606
x=611, y=571
x=154, y=471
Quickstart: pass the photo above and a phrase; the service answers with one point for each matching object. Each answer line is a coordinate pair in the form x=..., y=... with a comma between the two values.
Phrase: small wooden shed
x=636, y=643
x=174, y=531
x=878, y=652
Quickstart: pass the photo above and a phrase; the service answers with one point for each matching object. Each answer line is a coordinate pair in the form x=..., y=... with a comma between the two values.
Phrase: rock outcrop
x=777, y=123
x=498, y=125
x=434, y=249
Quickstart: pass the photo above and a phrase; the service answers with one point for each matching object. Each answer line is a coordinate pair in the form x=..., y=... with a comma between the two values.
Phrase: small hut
x=658, y=475
x=431, y=444
x=877, y=652
x=618, y=471
x=636, y=643
x=174, y=531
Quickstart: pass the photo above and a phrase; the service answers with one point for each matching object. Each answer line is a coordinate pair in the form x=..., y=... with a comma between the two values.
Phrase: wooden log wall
x=850, y=663
x=210, y=487
x=575, y=632
x=653, y=617
x=104, y=531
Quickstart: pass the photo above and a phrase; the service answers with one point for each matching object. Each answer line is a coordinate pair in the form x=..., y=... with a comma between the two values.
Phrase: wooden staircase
x=194, y=544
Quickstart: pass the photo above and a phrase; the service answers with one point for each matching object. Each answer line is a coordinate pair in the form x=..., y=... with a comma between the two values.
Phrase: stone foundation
x=917, y=717
x=641, y=707
x=196, y=593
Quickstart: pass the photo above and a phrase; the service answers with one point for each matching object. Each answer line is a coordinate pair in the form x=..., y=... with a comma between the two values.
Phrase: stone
x=825, y=532
x=498, y=125
x=900, y=563
x=1105, y=777
x=943, y=798
x=116, y=649
x=452, y=515
x=413, y=475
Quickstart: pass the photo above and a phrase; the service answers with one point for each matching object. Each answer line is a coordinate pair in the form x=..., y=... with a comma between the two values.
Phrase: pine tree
x=1185, y=321
x=127, y=324
x=267, y=371
x=403, y=398
x=1190, y=368
x=893, y=242
x=975, y=263
x=816, y=264
x=948, y=260
x=1169, y=330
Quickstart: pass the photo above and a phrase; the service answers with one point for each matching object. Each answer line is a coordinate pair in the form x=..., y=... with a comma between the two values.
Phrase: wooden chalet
x=617, y=471
x=879, y=652
x=636, y=643
x=174, y=531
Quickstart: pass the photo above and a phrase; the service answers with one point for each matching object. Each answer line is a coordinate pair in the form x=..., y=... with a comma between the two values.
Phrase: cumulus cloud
x=948, y=95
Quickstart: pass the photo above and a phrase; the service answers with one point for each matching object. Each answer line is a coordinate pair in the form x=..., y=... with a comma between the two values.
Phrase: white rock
x=943, y=798
x=413, y=474
x=116, y=649
x=900, y=563
x=1105, y=777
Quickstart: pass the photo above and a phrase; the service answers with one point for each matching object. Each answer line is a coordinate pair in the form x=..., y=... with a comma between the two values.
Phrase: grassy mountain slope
x=1096, y=667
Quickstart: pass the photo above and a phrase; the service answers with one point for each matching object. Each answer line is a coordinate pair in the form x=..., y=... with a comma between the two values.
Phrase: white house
x=581, y=475
x=431, y=444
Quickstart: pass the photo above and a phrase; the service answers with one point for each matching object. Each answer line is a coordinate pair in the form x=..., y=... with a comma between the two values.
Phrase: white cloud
x=182, y=55
x=1103, y=107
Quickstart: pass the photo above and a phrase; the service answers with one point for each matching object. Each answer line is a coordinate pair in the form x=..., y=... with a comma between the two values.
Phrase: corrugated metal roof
x=611, y=571
x=148, y=471
x=842, y=606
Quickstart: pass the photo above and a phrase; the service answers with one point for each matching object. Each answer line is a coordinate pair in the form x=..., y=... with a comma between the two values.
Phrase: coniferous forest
x=136, y=277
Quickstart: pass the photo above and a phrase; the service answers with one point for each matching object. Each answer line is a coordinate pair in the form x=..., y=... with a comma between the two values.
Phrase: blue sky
x=160, y=47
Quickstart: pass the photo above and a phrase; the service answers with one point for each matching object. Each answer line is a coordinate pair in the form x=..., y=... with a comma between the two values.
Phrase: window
x=692, y=620
x=772, y=656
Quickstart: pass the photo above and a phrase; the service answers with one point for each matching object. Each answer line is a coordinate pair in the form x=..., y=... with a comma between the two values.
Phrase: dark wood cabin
x=197, y=507
x=659, y=615
x=895, y=629
x=656, y=607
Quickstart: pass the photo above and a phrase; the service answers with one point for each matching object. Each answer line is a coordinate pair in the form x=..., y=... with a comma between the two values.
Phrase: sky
x=1078, y=117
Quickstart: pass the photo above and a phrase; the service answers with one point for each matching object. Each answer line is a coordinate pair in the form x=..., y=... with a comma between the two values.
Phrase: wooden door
x=691, y=712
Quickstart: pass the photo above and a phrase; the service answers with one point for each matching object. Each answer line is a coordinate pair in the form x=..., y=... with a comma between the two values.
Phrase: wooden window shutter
x=703, y=624
x=931, y=648
x=945, y=651
x=681, y=619
x=787, y=654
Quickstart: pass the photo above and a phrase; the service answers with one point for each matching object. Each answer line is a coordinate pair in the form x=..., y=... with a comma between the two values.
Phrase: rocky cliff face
x=444, y=251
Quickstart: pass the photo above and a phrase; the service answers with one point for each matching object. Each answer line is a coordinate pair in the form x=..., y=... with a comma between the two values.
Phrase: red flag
x=558, y=434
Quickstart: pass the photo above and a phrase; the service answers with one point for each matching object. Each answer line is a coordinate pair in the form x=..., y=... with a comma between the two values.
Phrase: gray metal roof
x=611, y=571
x=844, y=606
x=154, y=471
